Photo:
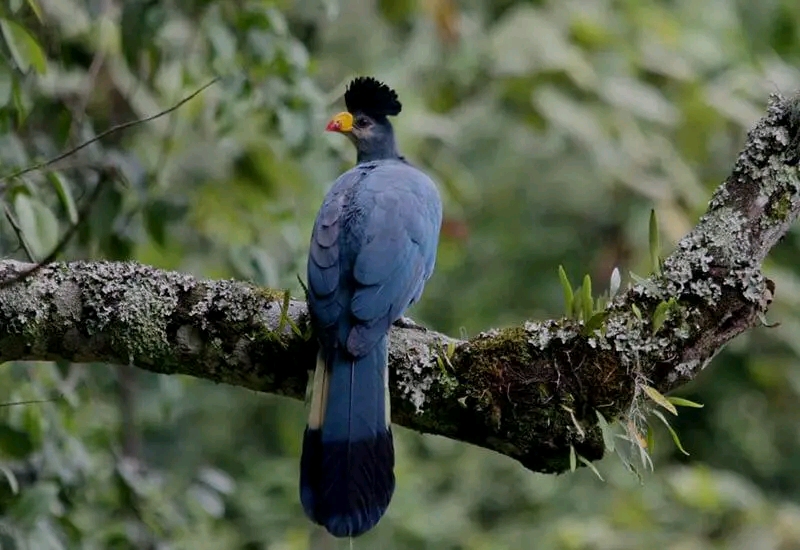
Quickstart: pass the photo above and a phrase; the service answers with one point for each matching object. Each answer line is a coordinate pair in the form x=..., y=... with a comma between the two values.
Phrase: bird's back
x=374, y=239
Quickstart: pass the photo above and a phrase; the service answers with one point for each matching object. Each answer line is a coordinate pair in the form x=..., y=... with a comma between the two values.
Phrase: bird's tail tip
x=347, y=503
x=347, y=464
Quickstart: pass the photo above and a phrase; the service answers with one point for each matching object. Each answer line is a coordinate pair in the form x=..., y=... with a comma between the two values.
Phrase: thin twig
x=101, y=135
x=31, y=401
x=18, y=230
x=82, y=216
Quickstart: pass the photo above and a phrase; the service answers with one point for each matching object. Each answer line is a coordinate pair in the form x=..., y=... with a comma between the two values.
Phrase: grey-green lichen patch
x=631, y=340
x=541, y=334
x=67, y=301
x=776, y=176
x=724, y=236
x=132, y=304
x=227, y=298
x=750, y=280
x=140, y=322
x=719, y=198
x=726, y=231
x=720, y=241
x=783, y=207
x=25, y=307
x=421, y=372
x=686, y=370
x=766, y=167
x=242, y=305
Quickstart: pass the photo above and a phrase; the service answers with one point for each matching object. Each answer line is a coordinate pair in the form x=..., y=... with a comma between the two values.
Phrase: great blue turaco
x=373, y=247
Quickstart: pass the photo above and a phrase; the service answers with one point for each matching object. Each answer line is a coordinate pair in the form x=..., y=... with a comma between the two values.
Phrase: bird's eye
x=361, y=122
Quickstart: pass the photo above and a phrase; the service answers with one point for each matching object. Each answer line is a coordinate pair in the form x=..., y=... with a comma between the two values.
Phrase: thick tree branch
x=529, y=392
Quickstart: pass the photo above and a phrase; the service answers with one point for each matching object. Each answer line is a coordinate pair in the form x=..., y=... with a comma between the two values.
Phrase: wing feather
x=373, y=247
x=324, y=260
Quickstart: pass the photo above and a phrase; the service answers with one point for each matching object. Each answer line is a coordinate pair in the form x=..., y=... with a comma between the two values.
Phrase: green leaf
x=644, y=456
x=218, y=480
x=616, y=281
x=566, y=286
x=573, y=462
x=138, y=32
x=14, y=443
x=660, y=315
x=586, y=298
x=105, y=210
x=285, y=319
x=605, y=429
x=34, y=503
x=656, y=396
x=655, y=244
x=22, y=102
x=637, y=278
x=577, y=305
x=45, y=536
x=600, y=303
x=64, y=192
x=11, y=478
x=595, y=322
x=155, y=222
x=591, y=467
x=210, y=501
x=287, y=295
x=650, y=439
x=36, y=9
x=23, y=47
x=627, y=461
x=681, y=402
x=636, y=311
x=38, y=224
x=672, y=432
x=33, y=424
x=223, y=42
x=6, y=86
x=766, y=324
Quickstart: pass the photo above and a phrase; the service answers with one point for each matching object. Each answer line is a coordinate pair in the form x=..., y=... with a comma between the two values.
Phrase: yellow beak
x=342, y=122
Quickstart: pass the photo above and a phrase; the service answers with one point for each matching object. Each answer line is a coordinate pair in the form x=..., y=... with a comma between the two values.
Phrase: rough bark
x=529, y=392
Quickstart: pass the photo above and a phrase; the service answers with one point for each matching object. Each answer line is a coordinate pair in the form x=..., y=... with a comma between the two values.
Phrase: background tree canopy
x=553, y=127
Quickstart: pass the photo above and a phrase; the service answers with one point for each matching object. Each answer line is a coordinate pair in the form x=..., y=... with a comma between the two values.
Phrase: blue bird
x=373, y=247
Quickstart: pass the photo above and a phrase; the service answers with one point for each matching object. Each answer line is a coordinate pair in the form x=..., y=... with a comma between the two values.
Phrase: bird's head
x=369, y=103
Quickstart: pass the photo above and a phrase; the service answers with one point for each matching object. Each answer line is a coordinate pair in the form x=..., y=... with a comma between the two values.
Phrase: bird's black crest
x=371, y=97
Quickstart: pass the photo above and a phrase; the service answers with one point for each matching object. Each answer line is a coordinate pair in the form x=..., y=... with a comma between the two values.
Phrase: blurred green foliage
x=553, y=128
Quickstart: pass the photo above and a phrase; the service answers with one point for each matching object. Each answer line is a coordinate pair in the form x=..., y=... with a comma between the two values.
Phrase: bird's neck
x=381, y=148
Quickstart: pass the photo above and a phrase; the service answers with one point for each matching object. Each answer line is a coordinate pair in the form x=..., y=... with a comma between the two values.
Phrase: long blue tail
x=347, y=465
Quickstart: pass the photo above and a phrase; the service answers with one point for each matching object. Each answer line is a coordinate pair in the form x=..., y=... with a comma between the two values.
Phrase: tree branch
x=529, y=392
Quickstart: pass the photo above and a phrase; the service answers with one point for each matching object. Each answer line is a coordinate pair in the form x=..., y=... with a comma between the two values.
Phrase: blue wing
x=326, y=299
x=398, y=252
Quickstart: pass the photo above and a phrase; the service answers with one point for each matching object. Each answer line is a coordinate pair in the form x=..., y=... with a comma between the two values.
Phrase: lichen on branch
x=531, y=392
